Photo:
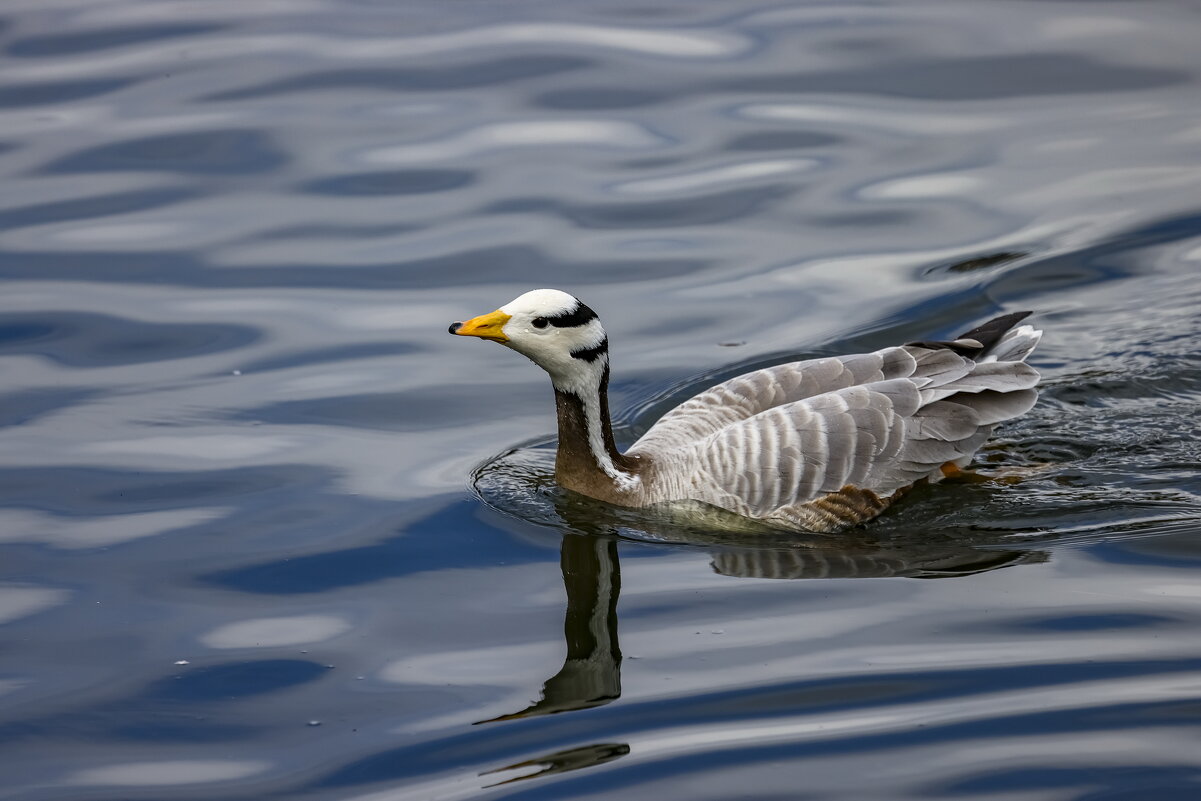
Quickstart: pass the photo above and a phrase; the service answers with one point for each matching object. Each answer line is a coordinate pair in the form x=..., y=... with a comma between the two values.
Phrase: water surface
x=267, y=531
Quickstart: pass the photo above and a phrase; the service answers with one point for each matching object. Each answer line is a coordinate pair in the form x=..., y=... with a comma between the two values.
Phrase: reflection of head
x=591, y=673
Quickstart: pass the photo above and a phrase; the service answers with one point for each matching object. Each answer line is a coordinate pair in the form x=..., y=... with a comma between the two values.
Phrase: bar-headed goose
x=812, y=445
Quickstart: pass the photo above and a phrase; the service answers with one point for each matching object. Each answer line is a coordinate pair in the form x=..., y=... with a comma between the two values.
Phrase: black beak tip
x=454, y=327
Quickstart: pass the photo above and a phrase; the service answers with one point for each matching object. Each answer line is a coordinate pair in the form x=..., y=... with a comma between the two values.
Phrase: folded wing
x=752, y=393
x=879, y=434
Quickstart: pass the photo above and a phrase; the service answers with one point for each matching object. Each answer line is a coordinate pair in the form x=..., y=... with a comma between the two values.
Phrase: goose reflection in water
x=520, y=484
x=591, y=672
x=871, y=562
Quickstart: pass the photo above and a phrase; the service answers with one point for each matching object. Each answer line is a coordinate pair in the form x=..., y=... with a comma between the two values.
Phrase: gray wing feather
x=752, y=393
x=939, y=367
x=996, y=376
x=786, y=435
x=946, y=421
x=993, y=407
x=816, y=446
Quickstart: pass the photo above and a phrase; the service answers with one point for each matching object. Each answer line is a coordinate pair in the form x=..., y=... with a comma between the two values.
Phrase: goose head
x=553, y=329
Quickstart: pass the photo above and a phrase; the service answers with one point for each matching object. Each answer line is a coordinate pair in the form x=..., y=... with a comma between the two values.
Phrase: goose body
x=813, y=445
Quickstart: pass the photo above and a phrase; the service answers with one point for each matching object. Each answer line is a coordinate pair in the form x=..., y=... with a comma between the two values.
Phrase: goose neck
x=588, y=458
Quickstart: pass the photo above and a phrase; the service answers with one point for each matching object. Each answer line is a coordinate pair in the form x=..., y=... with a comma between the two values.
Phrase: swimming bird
x=814, y=445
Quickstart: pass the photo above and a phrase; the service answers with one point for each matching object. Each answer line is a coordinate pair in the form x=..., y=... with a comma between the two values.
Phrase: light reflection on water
x=266, y=529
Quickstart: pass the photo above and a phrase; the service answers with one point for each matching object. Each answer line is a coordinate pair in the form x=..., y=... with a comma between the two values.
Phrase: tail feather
x=994, y=330
x=1001, y=339
x=957, y=414
x=1015, y=346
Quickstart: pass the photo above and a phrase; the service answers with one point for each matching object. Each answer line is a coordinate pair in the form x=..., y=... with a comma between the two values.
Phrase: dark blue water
x=266, y=531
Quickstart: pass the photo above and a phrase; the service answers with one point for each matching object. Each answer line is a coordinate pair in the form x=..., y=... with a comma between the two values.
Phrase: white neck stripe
x=589, y=396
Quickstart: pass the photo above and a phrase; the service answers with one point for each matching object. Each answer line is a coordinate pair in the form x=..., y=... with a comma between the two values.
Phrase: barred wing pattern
x=751, y=393
x=827, y=442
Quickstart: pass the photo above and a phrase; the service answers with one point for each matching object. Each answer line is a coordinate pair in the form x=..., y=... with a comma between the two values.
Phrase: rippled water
x=267, y=531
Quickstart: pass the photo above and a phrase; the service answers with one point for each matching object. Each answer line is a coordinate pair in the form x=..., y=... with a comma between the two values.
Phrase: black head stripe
x=592, y=354
x=580, y=315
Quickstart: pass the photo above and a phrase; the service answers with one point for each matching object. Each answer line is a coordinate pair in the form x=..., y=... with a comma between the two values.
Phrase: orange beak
x=486, y=326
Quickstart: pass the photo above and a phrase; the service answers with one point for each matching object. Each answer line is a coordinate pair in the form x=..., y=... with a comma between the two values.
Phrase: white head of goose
x=814, y=445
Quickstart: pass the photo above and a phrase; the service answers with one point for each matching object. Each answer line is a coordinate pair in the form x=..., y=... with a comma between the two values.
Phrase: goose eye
x=539, y=322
